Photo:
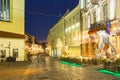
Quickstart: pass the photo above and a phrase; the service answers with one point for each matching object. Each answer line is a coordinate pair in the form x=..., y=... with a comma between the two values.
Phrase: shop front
x=115, y=36
x=88, y=45
x=107, y=37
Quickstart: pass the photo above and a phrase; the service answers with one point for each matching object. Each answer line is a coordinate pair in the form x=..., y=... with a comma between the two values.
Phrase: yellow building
x=64, y=36
x=32, y=46
x=49, y=44
x=12, y=29
x=100, y=28
x=56, y=39
x=73, y=32
x=29, y=42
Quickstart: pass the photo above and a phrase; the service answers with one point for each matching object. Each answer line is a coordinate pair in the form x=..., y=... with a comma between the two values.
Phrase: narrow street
x=46, y=68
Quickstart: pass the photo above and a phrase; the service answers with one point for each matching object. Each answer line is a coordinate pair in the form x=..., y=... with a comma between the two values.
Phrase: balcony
x=95, y=2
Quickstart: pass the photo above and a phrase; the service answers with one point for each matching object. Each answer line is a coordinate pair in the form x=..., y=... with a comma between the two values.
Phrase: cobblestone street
x=49, y=69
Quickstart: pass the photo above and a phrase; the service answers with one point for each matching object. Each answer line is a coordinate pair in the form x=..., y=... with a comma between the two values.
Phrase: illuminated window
x=5, y=10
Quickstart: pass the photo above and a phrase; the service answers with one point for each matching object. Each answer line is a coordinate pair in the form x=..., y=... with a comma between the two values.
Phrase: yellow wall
x=14, y=44
x=74, y=51
x=16, y=24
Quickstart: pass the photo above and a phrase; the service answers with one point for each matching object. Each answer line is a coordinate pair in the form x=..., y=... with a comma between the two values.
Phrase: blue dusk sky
x=41, y=15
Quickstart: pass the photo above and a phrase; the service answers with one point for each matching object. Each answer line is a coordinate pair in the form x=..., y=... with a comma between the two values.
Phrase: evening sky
x=41, y=15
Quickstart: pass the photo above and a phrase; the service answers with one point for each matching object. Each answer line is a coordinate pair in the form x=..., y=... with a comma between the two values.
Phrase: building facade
x=12, y=29
x=100, y=28
x=56, y=39
x=29, y=42
x=32, y=46
x=64, y=36
x=73, y=33
x=91, y=30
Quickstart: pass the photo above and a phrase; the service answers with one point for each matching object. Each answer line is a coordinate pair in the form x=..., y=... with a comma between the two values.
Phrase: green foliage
x=117, y=61
x=117, y=74
x=72, y=60
x=104, y=61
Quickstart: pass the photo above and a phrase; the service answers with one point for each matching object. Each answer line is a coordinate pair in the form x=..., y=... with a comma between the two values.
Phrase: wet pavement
x=46, y=68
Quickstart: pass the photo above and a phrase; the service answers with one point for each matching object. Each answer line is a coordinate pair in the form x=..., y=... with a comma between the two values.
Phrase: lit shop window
x=5, y=10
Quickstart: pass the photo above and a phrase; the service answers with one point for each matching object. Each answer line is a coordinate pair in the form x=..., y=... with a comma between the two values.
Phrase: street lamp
x=9, y=46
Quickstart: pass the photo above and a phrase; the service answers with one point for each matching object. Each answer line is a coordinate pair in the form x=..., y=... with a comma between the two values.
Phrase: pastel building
x=12, y=29
x=65, y=36
x=100, y=28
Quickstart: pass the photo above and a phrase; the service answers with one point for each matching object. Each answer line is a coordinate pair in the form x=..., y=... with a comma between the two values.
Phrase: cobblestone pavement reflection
x=46, y=68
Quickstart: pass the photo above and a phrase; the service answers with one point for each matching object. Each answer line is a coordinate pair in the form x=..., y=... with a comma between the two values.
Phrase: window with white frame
x=15, y=53
x=112, y=9
x=98, y=14
x=94, y=16
x=5, y=10
x=105, y=12
x=88, y=21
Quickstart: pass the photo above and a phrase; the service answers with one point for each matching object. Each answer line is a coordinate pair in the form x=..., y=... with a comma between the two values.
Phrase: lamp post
x=9, y=48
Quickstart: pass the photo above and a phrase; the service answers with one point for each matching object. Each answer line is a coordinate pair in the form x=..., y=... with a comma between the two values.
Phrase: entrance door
x=2, y=55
